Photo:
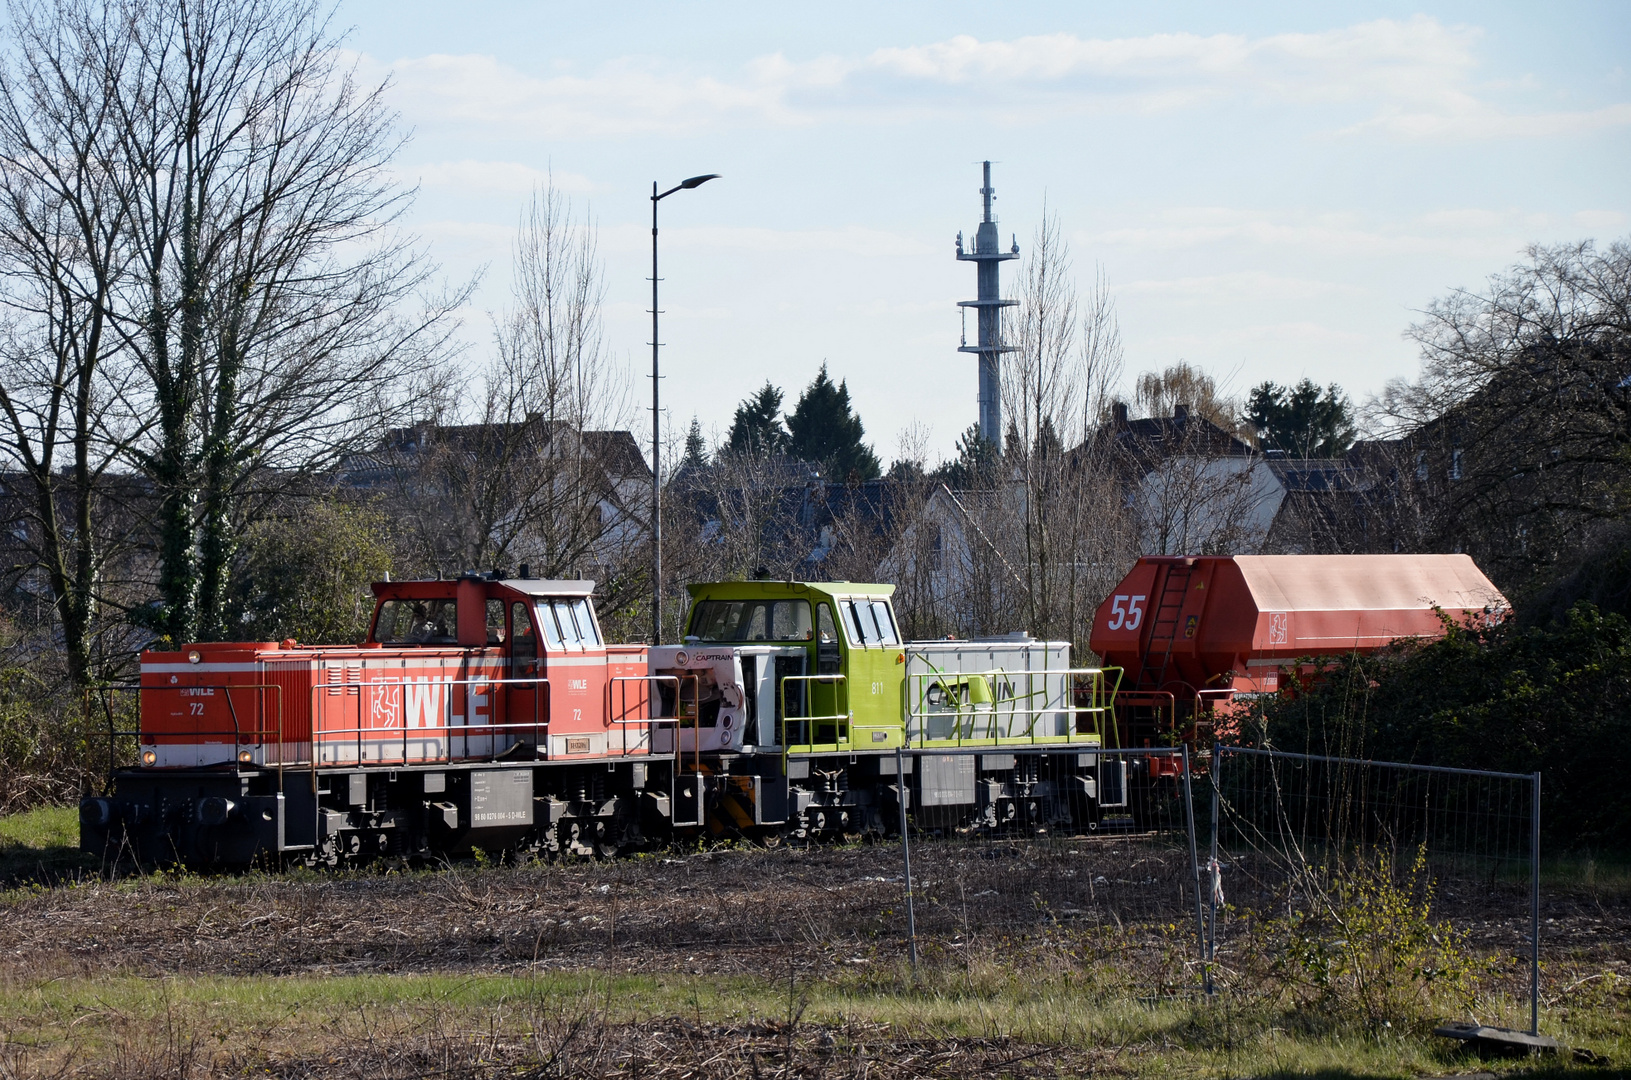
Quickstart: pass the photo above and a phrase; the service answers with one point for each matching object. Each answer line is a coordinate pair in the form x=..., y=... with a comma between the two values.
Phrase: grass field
x=719, y=964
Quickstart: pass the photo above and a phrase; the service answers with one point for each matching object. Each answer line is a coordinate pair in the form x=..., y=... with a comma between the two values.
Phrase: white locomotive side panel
x=726, y=696
x=988, y=689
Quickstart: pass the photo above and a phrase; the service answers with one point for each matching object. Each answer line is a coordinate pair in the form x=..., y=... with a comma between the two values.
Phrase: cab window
x=828, y=659
x=571, y=632
x=858, y=623
x=417, y=622
x=495, y=622
x=523, y=642
x=552, y=632
x=586, y=622
x=752, y=620
x=884, y=618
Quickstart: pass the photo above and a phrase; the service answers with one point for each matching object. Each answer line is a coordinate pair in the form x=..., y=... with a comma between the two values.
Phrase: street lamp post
x=657, y=418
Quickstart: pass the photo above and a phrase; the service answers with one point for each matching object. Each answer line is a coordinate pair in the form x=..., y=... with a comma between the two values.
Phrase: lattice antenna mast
x=988, y=345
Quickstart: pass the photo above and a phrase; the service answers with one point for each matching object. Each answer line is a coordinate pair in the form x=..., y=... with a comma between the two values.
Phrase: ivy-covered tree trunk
x=216, y=540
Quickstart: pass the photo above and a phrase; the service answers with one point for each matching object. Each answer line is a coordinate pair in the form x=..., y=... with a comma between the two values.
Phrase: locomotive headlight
x=150, y=757
x=246, y=757
x=193, y=657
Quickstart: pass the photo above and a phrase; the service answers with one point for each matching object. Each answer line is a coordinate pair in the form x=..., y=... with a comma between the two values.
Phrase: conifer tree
x=1300, y=420
x=824, y=429
x=696, y=450
x=975, y=463
x=757, y=428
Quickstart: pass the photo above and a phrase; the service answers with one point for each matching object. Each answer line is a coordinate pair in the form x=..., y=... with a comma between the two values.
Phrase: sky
x=1270, y=191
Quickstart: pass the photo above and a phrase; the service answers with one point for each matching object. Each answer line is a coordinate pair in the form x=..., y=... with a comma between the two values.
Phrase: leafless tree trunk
x=267, y=291
x=64, y=381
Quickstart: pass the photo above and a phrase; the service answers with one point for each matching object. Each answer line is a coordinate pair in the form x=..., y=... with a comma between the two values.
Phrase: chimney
x=1118, y=412
x=1180, y=411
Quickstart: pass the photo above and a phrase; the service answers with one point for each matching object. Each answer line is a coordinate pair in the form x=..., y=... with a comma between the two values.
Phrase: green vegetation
x=41, y=845
x=307, y=575
x=1511, y=698
x=514, y=1019
x=1301, y=420
x=822, y=427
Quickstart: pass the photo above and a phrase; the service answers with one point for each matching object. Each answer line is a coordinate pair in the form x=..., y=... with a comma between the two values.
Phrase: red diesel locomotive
x=479, y=713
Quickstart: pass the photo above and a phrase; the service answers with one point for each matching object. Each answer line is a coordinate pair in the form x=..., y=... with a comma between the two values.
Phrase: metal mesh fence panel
x=1053, y=848
x=1360, y=866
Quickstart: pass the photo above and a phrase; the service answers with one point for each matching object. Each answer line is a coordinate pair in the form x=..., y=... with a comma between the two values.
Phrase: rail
x=613, y=717
x=387, y=710
x=253, y=736
x=951, y=709
x=841, y=718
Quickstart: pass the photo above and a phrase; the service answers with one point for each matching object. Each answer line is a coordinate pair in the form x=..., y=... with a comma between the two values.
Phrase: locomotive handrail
x=490, y=728
x=649, y=718
x=256, y=736
x=1139, y=697
x=846, y=717
x=967, y=706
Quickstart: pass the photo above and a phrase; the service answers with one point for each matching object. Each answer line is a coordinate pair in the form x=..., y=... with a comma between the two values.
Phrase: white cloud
x=1600, y=220
x=1474, y=234
x=497, y=177
x=1410, y=79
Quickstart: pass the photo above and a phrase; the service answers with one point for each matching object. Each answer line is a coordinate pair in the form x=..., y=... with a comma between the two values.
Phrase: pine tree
x=757, y=429
x=696, y=450
x=1300, y=420
x=825, y=430
x=975, y=463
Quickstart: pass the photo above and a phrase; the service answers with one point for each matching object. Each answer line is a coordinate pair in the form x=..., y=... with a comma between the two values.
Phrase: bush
x=1510, y=698
x=54, y=743
x=1365, y=943
x=307, y=575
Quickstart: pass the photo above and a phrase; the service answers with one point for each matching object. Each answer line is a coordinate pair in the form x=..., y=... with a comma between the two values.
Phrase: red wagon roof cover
x=1194, y=619
x=1367, y=582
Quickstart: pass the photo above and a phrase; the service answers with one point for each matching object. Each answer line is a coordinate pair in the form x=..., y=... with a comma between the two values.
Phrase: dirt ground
x=715, y=913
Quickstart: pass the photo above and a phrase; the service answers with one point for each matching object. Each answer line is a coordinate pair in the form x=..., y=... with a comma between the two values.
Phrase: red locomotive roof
x=1194, y=621
x=447, y=587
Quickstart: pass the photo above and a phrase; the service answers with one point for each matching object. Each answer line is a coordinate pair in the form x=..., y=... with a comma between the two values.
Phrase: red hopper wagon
x=1193, y=634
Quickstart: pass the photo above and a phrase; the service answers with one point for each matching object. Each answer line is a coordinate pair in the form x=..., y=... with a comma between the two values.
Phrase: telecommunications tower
x=989, y=346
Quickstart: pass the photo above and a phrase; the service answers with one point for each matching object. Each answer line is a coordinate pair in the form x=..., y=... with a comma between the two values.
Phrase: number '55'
x=1127, y=612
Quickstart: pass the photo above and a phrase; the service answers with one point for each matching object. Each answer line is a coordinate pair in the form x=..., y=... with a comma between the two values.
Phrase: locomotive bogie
x=335, y=817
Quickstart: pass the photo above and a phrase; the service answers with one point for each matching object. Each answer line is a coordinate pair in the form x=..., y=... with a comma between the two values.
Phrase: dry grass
x=1059, y=959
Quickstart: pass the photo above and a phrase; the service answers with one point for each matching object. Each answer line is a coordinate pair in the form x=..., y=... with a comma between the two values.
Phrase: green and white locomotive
x=799, y=710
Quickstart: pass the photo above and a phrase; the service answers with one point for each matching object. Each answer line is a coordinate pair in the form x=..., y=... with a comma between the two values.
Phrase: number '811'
x=1127, y=612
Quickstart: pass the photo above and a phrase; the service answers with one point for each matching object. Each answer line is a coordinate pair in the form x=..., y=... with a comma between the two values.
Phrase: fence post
x=906, y=857
x=1194, y=866
x=1212, y=867
x=1534, y=906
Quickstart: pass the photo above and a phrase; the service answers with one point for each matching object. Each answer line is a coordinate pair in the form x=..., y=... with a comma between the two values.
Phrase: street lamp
x=656, y=419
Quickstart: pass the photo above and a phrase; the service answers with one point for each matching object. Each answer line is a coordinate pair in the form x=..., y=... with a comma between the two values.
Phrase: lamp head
x=698, y=181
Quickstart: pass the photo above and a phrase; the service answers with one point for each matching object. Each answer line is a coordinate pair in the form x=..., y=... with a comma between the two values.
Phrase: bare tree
x=64, y=380
x=1068, y=506
x=1161, y=393
x=1516, y=441
x=266, y=292
x=543, y=472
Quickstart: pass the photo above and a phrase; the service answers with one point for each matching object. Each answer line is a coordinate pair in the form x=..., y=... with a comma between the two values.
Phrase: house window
x=1455, y=464
x=1421, y=466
